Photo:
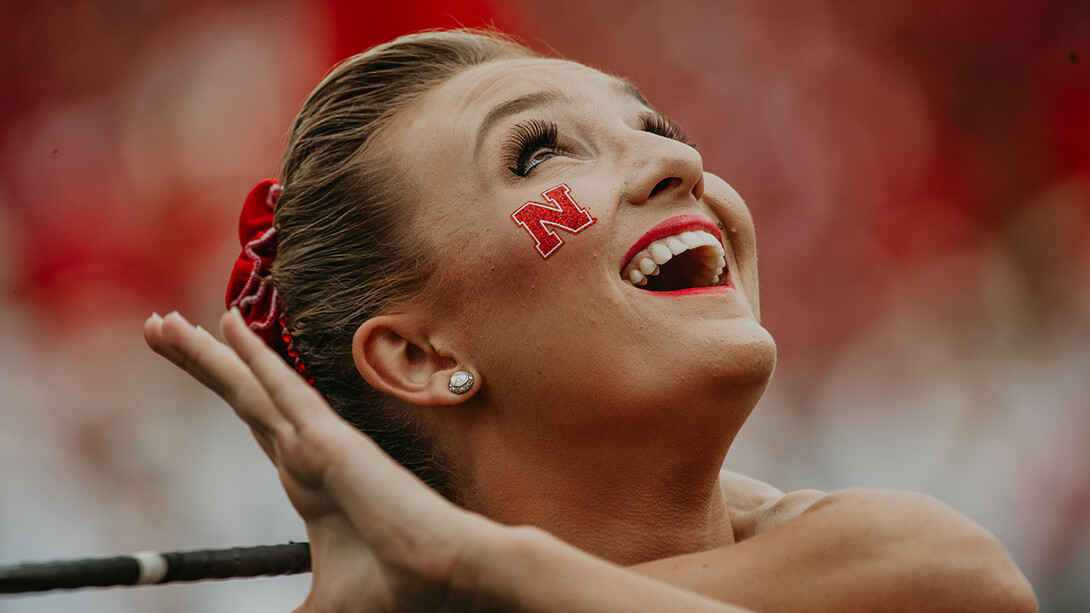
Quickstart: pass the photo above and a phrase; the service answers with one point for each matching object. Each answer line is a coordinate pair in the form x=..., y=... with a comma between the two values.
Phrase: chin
x=747, y=359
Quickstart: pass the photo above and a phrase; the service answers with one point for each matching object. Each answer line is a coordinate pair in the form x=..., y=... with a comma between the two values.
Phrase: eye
x=665, y=127
x=530, y=144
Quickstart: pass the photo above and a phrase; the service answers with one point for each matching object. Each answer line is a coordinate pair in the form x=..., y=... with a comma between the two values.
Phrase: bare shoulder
x=756, y=507
x=746, y=492
x=858, y=549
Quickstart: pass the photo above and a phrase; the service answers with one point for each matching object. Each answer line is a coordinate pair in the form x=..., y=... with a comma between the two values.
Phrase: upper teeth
x=646, y=262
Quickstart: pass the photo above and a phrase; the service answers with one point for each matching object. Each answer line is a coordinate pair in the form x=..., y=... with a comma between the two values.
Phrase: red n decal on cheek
x=562, y=212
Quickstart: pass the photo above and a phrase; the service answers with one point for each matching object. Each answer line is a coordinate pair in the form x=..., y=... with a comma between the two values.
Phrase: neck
x=627, y=497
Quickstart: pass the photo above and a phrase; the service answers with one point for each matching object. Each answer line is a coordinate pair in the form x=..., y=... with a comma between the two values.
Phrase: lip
x=696, y=291
x=670, y=227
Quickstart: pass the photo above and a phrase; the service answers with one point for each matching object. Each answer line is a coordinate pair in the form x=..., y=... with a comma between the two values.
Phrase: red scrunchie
x=250, y=287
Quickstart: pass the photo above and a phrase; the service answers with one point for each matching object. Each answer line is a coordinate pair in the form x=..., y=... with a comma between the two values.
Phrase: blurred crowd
x=919, y=173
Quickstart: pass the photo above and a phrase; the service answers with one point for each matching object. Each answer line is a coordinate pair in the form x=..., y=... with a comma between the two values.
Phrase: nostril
x=664, y=185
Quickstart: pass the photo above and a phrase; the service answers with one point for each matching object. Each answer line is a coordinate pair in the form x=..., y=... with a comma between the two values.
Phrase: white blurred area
x=919, y=173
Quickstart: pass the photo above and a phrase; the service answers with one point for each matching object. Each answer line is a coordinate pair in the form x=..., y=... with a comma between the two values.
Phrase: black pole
x=151, y=568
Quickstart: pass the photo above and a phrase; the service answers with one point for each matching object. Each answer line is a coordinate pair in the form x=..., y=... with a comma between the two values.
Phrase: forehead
x=507, y=77
x=498, y=89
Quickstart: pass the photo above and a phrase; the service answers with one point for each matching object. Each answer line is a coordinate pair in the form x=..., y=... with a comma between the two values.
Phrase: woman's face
x=555, y=327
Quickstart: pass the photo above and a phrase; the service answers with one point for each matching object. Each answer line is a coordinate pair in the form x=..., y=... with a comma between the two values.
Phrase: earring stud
x=461, y=381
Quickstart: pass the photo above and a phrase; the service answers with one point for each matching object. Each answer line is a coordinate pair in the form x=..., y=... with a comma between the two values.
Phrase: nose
x=663, y=169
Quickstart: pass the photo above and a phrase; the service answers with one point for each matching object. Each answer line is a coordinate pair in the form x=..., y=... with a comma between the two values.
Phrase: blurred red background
x=919, y=172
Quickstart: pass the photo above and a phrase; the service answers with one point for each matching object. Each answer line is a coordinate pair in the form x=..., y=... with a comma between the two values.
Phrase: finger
x=330, y=445
x=218, y=368
x=294, y=397
x=176, y=346
x=349, y=464
x=153, y=335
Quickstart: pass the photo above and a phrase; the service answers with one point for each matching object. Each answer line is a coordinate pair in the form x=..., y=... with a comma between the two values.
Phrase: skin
x=381, y=540
x=523, y=443
x=580, y=378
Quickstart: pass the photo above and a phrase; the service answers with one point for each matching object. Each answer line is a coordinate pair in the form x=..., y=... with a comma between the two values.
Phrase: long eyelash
x=526, y=139
x=666, y=127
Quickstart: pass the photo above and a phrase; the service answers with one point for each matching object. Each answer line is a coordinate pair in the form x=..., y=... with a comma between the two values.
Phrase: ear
x=394, y=355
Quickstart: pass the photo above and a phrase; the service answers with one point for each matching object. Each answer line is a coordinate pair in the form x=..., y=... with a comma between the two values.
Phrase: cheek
x=526, y=318
x=497, y=278
x=527, y=240
x=557, y=213
x=741, y=235
x=515, y=259
x=511, y=225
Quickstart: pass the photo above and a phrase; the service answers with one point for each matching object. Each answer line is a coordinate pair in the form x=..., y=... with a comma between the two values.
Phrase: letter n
x=562, y=212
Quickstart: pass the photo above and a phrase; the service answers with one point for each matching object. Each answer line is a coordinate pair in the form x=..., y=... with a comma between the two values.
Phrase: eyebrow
x=626, y=88
x=538, y=99
x=513, y=107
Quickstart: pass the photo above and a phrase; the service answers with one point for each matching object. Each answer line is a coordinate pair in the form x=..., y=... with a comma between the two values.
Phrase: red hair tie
x=251, y=289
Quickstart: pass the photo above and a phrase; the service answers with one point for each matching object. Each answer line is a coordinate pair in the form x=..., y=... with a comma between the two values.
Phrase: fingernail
x=178, y=315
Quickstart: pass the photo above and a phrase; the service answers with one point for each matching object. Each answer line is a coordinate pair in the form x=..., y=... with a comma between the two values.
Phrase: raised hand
x=380, y=539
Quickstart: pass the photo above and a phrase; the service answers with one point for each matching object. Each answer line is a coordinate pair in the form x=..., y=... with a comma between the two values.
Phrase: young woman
x=515, y=277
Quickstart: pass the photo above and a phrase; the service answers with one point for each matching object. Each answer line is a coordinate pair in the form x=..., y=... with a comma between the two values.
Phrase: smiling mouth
x=691, y=259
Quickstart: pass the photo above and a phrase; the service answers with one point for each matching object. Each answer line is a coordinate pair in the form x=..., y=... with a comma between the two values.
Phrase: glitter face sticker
x=560, y=212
